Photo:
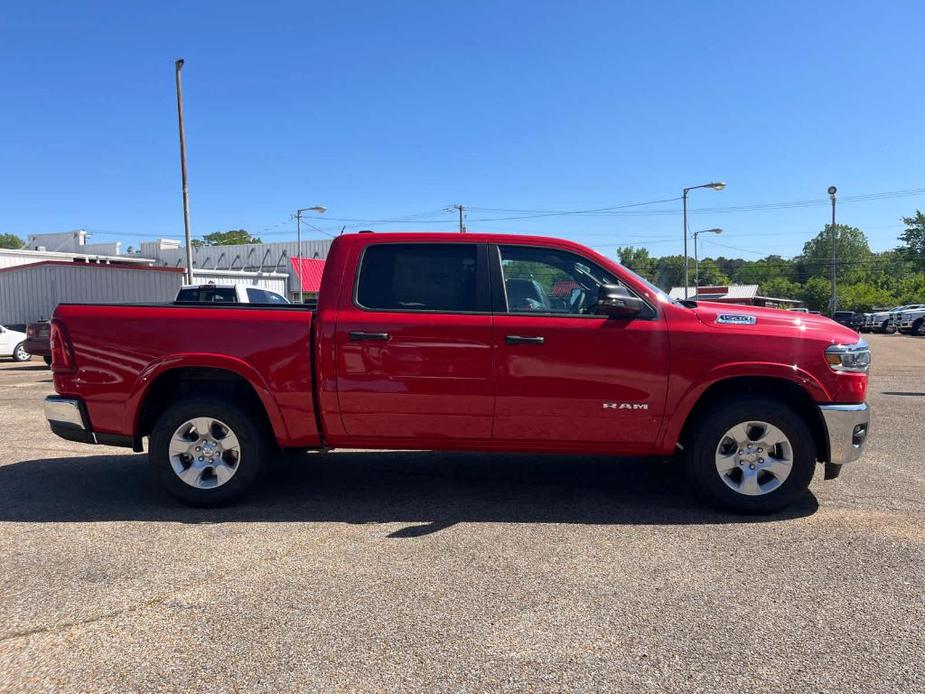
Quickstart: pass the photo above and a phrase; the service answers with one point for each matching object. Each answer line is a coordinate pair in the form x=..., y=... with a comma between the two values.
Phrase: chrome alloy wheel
x=754, y=458
x=204, y=452
x=21, y=353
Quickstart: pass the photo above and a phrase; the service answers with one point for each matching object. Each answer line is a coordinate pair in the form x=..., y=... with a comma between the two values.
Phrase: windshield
x=658, y=293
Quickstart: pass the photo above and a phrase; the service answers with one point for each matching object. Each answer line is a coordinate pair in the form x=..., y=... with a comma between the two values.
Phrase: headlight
x=854, y=358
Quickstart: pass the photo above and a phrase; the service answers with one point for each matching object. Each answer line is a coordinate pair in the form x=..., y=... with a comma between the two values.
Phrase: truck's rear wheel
x=751, y=456
x=20, y=353
x=208, y=452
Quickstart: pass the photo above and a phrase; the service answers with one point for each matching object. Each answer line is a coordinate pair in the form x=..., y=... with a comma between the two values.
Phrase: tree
x=710, y=274
x=781, y=288
x=816, y=293
x=636, y=259
x=852, y=251
x=227, y=238
x=11, y=241
x=913, y=239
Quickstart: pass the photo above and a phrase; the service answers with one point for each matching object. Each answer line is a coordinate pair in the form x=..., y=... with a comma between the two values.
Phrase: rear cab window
x=207, y=295
x=426, y=277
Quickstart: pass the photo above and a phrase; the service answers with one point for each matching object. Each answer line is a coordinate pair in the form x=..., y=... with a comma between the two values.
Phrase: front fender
x=237, y=366
x=695, y=390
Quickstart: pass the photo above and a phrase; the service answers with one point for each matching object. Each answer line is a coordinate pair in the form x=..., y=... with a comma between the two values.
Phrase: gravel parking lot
x=360, y=570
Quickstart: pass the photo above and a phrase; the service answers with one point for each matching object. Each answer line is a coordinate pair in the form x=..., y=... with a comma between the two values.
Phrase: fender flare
x=161, y=366
x=785, y=372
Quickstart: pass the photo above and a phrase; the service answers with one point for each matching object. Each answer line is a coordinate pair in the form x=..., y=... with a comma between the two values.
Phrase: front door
x=414, y=345
x=564, y=374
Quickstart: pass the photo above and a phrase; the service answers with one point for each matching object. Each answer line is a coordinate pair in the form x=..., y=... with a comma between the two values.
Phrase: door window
x=545, y=280
x=420, y=277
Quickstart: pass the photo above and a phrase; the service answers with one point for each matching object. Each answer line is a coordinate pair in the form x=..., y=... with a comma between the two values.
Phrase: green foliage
x=710, y=274
x=636, y=259
x=913, y=239
x=851, y=247
x=11, y=241
x=227, y=238
x=866, y=280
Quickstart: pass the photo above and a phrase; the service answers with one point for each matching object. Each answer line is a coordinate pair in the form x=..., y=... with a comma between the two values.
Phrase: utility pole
x=320, y=209
x=832, y=191
x=178, y=65
x=462, y=227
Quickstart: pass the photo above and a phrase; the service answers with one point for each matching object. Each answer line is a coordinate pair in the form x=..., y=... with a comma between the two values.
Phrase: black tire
x=47, y=361
x=889, y=328
x=20, y=353
x=252, y=435
x=918, y=328
x=709, y=431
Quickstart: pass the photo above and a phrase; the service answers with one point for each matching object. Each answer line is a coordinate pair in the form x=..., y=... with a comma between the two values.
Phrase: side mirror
x=614, y=301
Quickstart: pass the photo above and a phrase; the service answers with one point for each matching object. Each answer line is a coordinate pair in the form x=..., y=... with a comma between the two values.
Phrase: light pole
x=832, y=191
x=716, y=230
x=717, y=185
x=178, y=66
x=320, y=209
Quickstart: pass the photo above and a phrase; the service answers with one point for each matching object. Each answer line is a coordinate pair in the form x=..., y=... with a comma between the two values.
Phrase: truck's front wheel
x=751, y=456
x=207, y=452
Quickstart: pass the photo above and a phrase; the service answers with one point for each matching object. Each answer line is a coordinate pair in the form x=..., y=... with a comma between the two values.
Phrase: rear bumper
x=847, y=427
x=68, y=419
x=38, y=346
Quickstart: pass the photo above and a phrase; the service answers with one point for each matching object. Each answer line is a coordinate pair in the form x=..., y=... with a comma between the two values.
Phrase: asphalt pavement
x=428, y=571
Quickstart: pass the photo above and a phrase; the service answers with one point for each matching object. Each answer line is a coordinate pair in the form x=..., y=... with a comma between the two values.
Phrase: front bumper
x=847, y=427
x=67, y=418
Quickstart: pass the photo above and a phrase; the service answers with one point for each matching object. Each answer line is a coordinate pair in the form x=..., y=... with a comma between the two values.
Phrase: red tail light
x=62, y=358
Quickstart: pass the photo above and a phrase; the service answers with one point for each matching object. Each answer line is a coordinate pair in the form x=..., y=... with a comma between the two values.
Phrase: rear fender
x=211, y=361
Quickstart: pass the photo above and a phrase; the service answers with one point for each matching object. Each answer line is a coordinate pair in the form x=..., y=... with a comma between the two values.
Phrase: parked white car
x=12, y=344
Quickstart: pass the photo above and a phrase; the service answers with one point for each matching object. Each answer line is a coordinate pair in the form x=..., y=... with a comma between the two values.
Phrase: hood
x=775, y=320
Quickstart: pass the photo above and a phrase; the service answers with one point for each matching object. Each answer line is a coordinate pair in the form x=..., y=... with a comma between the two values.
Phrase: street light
x=716, y=185
x=319, y=209
x=697, y=258
x=834, y=301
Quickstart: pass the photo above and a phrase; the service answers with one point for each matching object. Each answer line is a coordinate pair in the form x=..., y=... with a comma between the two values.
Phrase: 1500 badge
x=626, y=406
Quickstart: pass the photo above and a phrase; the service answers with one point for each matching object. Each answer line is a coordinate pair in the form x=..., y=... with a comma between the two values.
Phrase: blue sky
x=395, y=110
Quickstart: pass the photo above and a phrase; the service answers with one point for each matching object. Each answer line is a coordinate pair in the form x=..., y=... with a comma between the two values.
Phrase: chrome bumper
x=847, y=427
x=66, y=418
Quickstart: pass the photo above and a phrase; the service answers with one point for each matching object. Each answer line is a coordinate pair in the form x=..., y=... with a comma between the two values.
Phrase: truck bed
x=124, y=349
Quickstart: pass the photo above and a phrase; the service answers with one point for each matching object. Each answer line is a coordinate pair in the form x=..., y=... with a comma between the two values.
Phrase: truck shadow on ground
x=428, y=491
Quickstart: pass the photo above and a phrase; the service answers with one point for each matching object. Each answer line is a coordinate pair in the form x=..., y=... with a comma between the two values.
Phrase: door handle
x=523, y=340
x=360, y=335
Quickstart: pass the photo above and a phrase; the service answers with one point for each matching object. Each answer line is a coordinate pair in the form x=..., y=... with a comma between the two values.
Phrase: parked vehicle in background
x=13, y=344
x=38, y=341
x=864, y=322
x=896, y=314
x=479, y=342
x=880, y=320
x=845, y=318
x=856, y=322
x=912, y=321
x=227, y=294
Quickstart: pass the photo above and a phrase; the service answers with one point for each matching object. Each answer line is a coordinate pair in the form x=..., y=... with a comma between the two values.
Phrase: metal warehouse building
x=31, y=292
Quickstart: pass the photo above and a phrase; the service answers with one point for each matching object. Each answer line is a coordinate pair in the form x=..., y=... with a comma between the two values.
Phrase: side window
x=545, y=280
x=420, y=277
x=257, y=296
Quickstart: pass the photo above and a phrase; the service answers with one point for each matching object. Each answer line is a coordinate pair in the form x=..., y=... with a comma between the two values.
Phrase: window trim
x=482, y=272
x=499, y=290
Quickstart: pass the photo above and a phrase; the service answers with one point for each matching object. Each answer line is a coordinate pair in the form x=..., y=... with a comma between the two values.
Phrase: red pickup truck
x=479, y=342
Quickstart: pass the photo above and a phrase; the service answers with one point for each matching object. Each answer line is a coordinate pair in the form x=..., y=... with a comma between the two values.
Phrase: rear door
x=563, y=373
x=413, y=344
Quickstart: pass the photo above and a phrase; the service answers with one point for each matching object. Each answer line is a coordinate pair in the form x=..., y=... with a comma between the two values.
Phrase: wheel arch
x=771, y=387
x=159, y=387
